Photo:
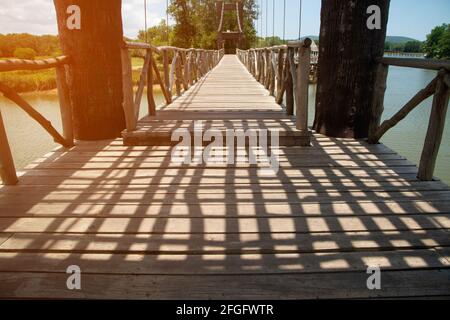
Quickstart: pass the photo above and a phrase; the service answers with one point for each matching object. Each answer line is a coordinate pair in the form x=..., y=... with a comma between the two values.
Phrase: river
x=29, y=141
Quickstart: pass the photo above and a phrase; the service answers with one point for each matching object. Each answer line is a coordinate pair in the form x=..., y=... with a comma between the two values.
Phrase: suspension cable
x=267, y=16
x=167, y=21
x=284, y=22
x=273, y=22
x=145, y=21
x=300, y=22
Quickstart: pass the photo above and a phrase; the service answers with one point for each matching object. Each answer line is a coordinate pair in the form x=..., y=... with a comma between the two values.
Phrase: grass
x=26, y=81
x=42, y=80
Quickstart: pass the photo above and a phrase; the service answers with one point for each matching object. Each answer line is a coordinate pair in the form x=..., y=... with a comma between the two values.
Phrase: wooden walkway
x=227, y=98
x=141, y=227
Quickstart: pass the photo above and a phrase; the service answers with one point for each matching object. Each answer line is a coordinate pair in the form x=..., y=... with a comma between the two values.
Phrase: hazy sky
x=411, y=18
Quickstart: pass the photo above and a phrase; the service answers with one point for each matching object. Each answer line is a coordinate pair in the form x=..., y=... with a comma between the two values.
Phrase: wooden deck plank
x=268, y=286
x=224, y=225
x=219, y=264
x=220, y=243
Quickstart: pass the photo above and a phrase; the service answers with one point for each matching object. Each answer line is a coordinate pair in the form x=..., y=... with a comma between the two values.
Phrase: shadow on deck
x=139, y=227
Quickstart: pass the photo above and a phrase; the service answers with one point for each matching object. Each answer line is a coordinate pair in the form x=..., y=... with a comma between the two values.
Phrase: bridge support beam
x=350, y=41
x=91, y=35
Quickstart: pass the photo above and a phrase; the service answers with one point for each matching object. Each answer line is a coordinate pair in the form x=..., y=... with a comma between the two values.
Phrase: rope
x=145, y=16
x=238, y=17
x=167, y=20
x=300, y=22
x=273, y=21
x=221, y=18
x=261, y=22
x=284, y=21
x=267, y=16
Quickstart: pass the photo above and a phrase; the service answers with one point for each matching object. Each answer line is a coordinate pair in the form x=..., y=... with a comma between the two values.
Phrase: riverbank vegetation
x=437, y=45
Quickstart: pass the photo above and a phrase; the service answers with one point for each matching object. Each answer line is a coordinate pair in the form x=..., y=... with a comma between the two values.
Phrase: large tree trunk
x=347, y=67
x=95, y=72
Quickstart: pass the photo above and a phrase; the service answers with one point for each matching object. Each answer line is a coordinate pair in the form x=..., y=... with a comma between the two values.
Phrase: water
x=29, y=141
x=408, y=136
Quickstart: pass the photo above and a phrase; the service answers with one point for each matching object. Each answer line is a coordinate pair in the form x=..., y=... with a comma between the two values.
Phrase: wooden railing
x=181, y=69
x=438, y=87
x=7, y=168
x=285, y=72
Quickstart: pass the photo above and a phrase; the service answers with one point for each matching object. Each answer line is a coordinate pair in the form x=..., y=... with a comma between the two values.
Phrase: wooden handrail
x=284, y=71
x=438, y=87
x=428, y=64
x=187, y=67
x=21, y=64
x=7, y=169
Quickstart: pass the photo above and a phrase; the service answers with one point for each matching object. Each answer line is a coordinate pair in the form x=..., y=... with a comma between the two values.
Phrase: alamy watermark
x=374, y=280
x=232, y=146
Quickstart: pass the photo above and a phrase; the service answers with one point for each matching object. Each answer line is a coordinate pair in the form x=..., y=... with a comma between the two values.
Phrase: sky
x=410, y=18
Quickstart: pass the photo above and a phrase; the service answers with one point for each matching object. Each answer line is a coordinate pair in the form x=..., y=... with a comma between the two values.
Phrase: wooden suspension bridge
x=140, y=226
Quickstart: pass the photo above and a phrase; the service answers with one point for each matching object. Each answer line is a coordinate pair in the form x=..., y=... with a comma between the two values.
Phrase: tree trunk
x=347, y=67
x=95, y=71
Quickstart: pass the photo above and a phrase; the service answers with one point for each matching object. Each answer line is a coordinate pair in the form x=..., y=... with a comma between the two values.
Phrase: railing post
x=267, y=66
x=279, y=78
x=127, y=88
x=65, y=105
x=7, y=169
x=166, y=74
x=435, y=128
x=304, y=66
x=288, y=84
x=150, y=95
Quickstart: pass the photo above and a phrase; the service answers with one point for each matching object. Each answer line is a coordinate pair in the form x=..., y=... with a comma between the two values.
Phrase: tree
x=25, y=53
x=413, y=46
x=156, y=35
x=437, y=44
x=347, y=67
x=186, y=27
x=196, y=23
x=95, y=71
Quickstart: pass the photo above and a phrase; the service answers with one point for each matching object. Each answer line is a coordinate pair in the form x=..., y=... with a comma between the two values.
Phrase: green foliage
x=187, y=22
x=25, y=81
x=269, y=42
x=157, y=35
x=413, y=46
x=46, y=45
x=196, y=24
x=25, y=53
x=437, y=44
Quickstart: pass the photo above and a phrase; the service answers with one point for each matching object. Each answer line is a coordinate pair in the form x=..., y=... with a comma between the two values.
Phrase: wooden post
x=435, y=130
x=7, y=169
x=302, y=89
x=280, y=79
x=161, y=83
x=268, y=67
x=378, y=98
x=150, y=83
x=273, y=71
x=64, y=104
x=127, y=89
x=166, y=74
x=288, y=84
x=173, y=66
x=178, y=75
x=348, y=67
x=94, y=74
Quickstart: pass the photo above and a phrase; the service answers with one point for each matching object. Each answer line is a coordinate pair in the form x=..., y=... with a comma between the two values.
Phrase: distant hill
x=391, y=39
x=399, y=39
